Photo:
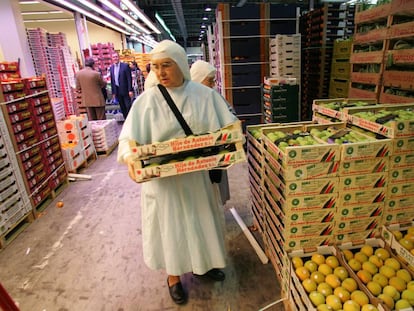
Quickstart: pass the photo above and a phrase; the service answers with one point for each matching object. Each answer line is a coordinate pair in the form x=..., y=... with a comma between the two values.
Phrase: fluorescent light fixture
x=41, y=12
x=48, y=20
x=161, y=21
x=141, y=15
x=29, y=2
x=99, y=10
x=76, y=8
x=124, y=15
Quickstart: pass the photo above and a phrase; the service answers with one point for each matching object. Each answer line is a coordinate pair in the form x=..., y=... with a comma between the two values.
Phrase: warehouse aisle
x=86, y=256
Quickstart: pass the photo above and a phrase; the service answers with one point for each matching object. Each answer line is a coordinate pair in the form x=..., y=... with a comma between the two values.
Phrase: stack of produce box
x=193, y=153
x=367, y=58
x=105, y=135
x=299, y=191
x=280, y=101
x=14, y=200
x=76, y=141
x=399, y=72
x=285, y=56
x=340, y=69
x=29, y=125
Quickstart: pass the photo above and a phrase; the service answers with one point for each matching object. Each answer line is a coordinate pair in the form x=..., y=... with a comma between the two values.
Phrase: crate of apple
x=286, y=139
x=383, y=275
x=342, y=136
x=329, y=285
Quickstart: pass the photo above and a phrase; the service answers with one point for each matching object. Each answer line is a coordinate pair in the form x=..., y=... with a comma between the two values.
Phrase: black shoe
x=213, y=274
x=177, y=293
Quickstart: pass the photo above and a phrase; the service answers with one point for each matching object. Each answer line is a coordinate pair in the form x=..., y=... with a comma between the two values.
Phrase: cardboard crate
x=358, y=197
x=371, y=36
x=394, y=129
x=146, y=173
x=401, y=57
x=342, y=49
x=398, y=216
x=368, y=149
x=302, y=202
x=333, y=107
x=302, y=171
x=389, y=237
x=345, y=225
x=401, y=161
x=365, y=166
x=399, y=79
x=374, y=13
x=363, y=182
x=356, y=237
x=405, y=174
x=302, y=187
x=399, y=202
x=229, y=134
x=300, y=154
x=385, y=98
x=400, y=189
x=403, y=145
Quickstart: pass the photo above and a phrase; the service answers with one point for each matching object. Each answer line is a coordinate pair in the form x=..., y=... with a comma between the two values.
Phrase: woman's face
x=167, y=72
x=209, y=81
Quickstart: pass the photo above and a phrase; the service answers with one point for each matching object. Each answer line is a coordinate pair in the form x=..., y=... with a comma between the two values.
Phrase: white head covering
x=151, y=80
x=170, y=49
x=201, y=70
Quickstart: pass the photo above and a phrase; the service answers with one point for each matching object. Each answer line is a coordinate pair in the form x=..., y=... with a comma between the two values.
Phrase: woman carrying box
x=181, y=221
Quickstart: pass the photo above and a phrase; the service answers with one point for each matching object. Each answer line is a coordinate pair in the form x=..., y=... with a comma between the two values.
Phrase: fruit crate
x=294, y=155
x=302, y=171
x=181, y=163
x=324, y=262
x=375, y=119
x=333, y=107
x=226, y=135
x=392, y=234
x=374, y=266
x=353, y=144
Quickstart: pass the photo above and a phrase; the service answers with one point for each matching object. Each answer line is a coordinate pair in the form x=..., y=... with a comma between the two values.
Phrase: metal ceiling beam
x=179, y=14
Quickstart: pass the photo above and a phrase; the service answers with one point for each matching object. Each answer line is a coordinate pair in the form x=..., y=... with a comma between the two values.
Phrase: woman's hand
x=130, y=163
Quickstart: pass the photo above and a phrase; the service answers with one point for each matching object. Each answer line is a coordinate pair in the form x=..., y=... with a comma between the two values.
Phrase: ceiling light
x=29, y=2
x=124, y=15
x=104, y=13
x=205, y=18
x=141, y=15
x=208, y=9
x=41, y=12
x=48, y=20
x=76, y=8
x=161, y=21
x=203, y=26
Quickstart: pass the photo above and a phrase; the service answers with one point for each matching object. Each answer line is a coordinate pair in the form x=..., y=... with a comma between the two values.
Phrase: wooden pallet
x=89, y=160
x=108, y=151
x=16, y=229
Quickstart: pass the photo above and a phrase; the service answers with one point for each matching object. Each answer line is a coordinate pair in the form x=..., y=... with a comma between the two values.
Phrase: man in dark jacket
x=121, y=84
x=90, y=83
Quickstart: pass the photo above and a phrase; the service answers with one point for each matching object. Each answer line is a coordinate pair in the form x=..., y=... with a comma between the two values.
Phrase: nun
x=182, y=224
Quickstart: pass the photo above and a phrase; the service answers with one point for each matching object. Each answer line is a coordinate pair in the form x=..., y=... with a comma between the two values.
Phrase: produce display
x=383, y=275
x=386, y=117
x=329, y=285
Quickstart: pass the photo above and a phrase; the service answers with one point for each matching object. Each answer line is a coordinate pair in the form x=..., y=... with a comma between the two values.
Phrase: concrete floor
x=87, y=256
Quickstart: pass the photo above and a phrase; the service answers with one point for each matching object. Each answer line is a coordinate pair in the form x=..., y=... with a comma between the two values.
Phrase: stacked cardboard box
x=105, y=134
x=75, y=135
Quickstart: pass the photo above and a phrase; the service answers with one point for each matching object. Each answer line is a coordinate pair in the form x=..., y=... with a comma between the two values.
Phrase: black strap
x=174, y=108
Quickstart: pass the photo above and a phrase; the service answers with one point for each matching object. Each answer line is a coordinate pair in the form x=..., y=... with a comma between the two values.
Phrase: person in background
x=182, y=224
x=205, y=73
x=137, y=79
x=90, y=83
x=121, y=84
